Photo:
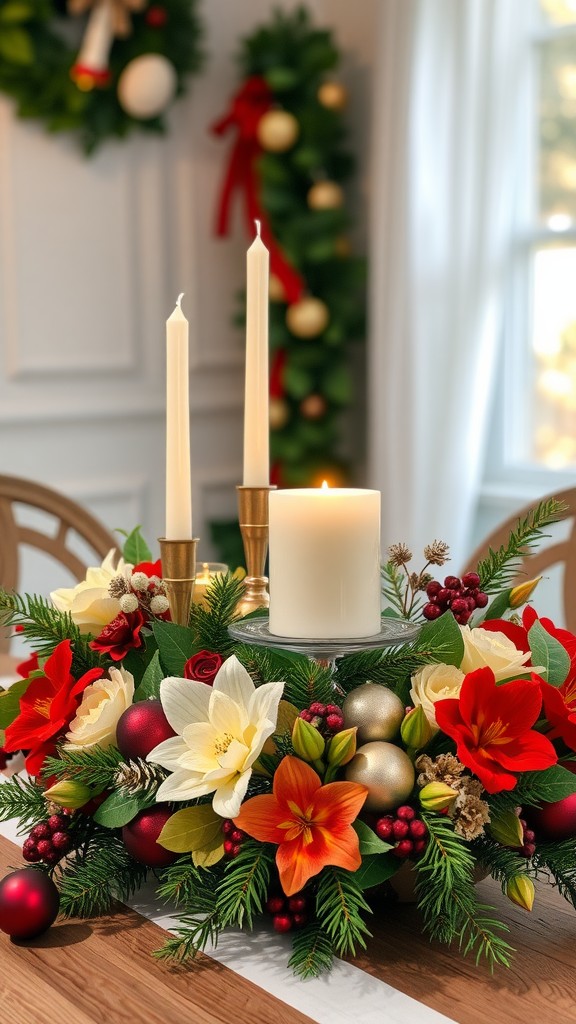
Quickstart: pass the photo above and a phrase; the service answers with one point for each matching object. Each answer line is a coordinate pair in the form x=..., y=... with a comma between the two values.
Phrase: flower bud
x=437, y=796
x=506, y=829
x=520, y=594
x=520, y=890
x=342, y=747
x=68, y=793
x=416, y=731
x=307, y=741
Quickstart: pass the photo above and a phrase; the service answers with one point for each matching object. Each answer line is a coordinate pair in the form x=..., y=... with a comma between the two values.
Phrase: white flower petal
x=181, y=785
x=264, y=702
x=168, y=753
x=259, y=739
x=228, y=798
x=184, y=701
x=235, y=757
x=226, y=716
x=233, y=679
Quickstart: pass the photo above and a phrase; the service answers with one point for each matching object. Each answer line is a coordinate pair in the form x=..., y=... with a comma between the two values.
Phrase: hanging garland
x=286, y=167
x=97, y=68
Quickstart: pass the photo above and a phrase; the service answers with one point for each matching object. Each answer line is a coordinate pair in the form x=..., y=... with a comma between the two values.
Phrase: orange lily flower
x=310, y=823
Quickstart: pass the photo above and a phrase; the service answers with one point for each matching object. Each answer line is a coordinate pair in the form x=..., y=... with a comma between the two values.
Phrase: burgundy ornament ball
x=140, y=835
x=554, y=821
x=141, y=728
x=29, y=903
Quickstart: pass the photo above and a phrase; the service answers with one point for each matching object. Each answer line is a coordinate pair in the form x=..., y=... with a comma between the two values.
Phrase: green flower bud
x=342, y=747
x=416, y=731
x=307, y=741
x=68, y=794
x=437, y=796
x=520, y=594
x=520, y=890
x=506, y=829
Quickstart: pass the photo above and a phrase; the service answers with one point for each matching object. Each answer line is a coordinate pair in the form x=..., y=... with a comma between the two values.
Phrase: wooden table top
x=90, y=971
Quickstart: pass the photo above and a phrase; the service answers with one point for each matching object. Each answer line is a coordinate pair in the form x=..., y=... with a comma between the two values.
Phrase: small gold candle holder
x=179, y=572
x=253, y=519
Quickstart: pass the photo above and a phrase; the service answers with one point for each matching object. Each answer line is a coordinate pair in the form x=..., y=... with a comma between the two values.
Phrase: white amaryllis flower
x=89, y=602
x=221, y=730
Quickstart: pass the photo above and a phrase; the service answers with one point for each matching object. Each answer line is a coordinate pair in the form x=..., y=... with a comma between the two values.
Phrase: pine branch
x=23, y=800
x=339, y=903
x=94, y=767
x=210, y=624
x=559, y=859
x=262, y=664
x=195, y=933
x=502, y=862
x=244, y=888
x=45, y=627
x=498, y=570
x=312, y=952
x=102, y=872
x=139, y=777
x=190, y=887
x=394, y=587
x=308, y=681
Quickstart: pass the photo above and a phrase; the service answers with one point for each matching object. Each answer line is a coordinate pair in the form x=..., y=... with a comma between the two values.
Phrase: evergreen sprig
x=499, y=569
x=210, y=624
x=195, y=890
x=195, y=933
x=559, y=860
x=447, y=898
x=311, y=951
x=24, y=800
x=339, y=907
x=502, y=862
x=308, y=681
x=243, y=891
x=45, y=627
x=102, y=872
x=263, y=664
x=393, y=584
x=93, y=767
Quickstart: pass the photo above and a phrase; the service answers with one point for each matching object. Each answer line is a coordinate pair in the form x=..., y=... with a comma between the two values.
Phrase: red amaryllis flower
x=492, y=728
x=26, y=668
x=203, y=666
x=560, y=709
x=120, y=636
x=519, y=634
x=47, y=708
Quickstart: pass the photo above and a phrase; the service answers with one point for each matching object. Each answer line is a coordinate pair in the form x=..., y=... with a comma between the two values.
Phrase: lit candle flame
x=179, y=300
x=325, y=485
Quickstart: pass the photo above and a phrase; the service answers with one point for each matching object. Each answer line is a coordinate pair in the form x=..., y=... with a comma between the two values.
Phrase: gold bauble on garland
x=279, y=413
x=276, y=291
x=308, y=317
x=313, y=407
x=342, y=247
x=277, y=131
x=386, y=771
x=333, y=95
x=325, y=195
x=375, y=711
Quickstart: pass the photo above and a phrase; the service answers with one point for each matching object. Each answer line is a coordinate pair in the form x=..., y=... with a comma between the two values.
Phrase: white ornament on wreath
x=147, y=86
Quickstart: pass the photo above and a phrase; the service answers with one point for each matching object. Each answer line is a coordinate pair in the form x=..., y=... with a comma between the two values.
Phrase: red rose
x=120, y=636
x=203, y=666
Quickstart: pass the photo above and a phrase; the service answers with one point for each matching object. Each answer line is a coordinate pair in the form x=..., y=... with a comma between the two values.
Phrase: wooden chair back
x=555, y=552
x=66, y=519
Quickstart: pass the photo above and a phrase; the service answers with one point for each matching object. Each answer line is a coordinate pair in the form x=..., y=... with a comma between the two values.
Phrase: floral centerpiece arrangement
x=257, y=782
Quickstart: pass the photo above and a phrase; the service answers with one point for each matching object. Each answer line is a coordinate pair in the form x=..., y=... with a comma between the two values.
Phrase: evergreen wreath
x=41, y=66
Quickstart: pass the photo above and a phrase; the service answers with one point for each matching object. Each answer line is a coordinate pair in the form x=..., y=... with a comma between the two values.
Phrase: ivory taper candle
x=178, y=478
x=256, y=400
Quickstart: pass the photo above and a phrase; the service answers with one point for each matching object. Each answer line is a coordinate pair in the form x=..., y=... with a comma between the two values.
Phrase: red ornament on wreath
x=29, y=903
x=141, y=834
x=141, y=728
x=156, y=16
x=313, y=407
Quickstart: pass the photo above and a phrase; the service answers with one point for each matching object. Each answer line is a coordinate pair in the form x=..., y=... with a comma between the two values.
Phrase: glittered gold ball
x=386, y=771
x=307, y=318
x=325, y=195
x=276, y=291
x=279, y=413
x=375, y=711
x=313, y=407
x=332, y=95
x=277, y=131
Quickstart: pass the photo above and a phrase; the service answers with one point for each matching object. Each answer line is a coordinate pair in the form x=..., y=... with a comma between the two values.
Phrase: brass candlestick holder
x=179, y=572
x=253, y=519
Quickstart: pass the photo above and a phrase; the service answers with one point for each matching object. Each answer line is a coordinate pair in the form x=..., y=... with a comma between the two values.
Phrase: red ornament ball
x=141, y=728
x=29, y=903
x=156, y=17
x=140, y=835
x=554, y=821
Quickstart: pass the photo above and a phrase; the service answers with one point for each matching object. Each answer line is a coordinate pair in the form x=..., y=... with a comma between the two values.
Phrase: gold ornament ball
x=276, y=289
x=342, y=247
x=313, y=407
x=279, y=413
x=277, y=131
x=307, y=318
x=325, y=195
x=332, y=95
x=375, y=711
x=386, y=771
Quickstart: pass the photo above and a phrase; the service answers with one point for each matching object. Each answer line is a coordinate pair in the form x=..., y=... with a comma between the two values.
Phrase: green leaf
x=554, y=783
x=549, y=653
x=150, y=682
x=119, y=809
x=376, y=869
x=12, y=13
x=16, y=46
x=175, y=644
x=193, y=828
x=498, y=606
x=369, y=841
x=135, y=548
x=10, y=702
x=443, y=638
x=338, y=385
x=298, y=382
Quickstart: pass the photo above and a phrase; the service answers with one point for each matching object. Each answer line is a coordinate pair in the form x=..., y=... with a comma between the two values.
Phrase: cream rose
x=89, y=602
x=432, y=683
x=100, y=708
x=485, y=649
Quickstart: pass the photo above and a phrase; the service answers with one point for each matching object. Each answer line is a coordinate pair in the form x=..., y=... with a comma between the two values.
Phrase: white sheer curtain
x=444, y=172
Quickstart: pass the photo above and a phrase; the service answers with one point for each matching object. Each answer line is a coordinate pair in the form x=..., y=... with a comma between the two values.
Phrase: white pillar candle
x=256, y=414
x=178, y=482
x=325, y=563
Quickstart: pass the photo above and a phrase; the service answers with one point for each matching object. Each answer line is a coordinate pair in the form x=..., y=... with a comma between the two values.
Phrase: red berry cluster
x=461, y=596
x=48, y=841
x=528, y=849
x=327, y=718
x=233, y=840
x=287, y=913
x=405, y=830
